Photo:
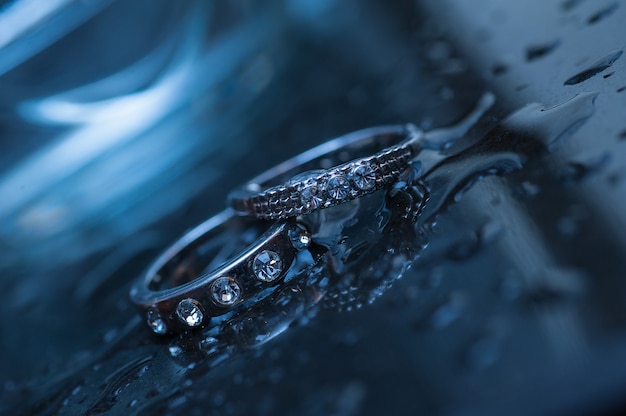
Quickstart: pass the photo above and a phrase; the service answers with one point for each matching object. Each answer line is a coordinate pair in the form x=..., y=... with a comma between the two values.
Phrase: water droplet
x=569, y=225
x=463, y=250
x=568, y=5
x=490, y=232
x=446, y=93
x=449, y=311
x=275, y=375
x=577, y=171
x=177, y=400
x=110, y=335
x=558, y=286
x=614, y=178
x=538, y=51
x=238, y=379
x=209, y=345
x=530, y=189
x=484, y=353
x=553, y=125
x=499, y=69
x=435, y=277
x=595, y=68
x=175, y=350
x=602, y=14
x=218, y=398
x=510, y=287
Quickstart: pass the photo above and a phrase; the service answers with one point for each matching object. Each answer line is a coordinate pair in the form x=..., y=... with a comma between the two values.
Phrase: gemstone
x=364, y=177
x=310, y=194
x=267, y=266
x=300, y=237
x=338, y=187
x=225, y=291
x=189, y=312
x=156, y=323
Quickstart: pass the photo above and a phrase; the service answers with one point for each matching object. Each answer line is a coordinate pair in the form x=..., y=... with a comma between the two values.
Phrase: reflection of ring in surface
x=181, y=291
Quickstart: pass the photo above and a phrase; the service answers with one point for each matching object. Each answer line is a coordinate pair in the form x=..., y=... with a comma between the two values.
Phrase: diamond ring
x=206, y=275
x=360, y=163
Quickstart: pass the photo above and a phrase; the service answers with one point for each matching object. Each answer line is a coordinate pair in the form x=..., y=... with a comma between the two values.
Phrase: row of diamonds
x=341, y=184
x=225, y=291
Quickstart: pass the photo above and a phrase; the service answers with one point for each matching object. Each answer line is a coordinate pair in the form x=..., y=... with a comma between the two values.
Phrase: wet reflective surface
x=489, y=280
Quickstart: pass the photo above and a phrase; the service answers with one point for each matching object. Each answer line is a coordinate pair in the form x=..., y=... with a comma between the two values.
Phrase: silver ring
x=183, y=290
x=337, y=171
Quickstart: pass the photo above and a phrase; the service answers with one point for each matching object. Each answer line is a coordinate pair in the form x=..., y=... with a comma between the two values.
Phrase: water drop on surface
x=568, y=5
x=175, y=350
x=218, y=398
x=538, y=51
x=530, y=189
x=209, y=344
x=577, y=171
x=238, y=379
x=595, y=68
x=490, y=232
x=499, y=69
x=448, y=312
x=463, y=250
x=510, y=287
x=602, y=14
x=484, y=353
x=553, y=125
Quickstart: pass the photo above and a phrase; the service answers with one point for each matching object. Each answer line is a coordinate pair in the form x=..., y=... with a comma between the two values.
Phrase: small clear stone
x=156, y=323
x=310, y=194
x=267, y=266
x=300, y=237
x=338, y=187
x=188, y=311
x=225, y=291
x=364, y=177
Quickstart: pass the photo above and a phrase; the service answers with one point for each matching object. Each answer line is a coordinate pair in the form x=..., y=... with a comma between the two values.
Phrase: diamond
x=156, y=323
x=225, y=291
x=364, y=177
x=338, y=187
x=310, y=194
x=189, y=312
x=267, y=266
x=300, y=237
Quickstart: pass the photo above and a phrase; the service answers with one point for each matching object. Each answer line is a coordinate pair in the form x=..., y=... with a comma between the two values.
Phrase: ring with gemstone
x=205, y=276
x=337, y=171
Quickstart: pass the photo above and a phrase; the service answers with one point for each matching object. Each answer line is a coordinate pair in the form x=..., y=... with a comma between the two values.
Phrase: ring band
x=377, y=157
x=178, y=294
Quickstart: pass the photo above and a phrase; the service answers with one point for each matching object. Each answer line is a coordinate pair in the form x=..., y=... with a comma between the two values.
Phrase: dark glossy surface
x=126, y=123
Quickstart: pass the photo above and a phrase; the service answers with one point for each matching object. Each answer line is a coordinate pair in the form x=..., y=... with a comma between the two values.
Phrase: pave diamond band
x=183, y=289
x=380, y=155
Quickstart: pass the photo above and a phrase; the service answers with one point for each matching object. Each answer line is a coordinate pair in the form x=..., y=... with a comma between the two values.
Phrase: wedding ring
x=198, y=280
x=336, y=172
